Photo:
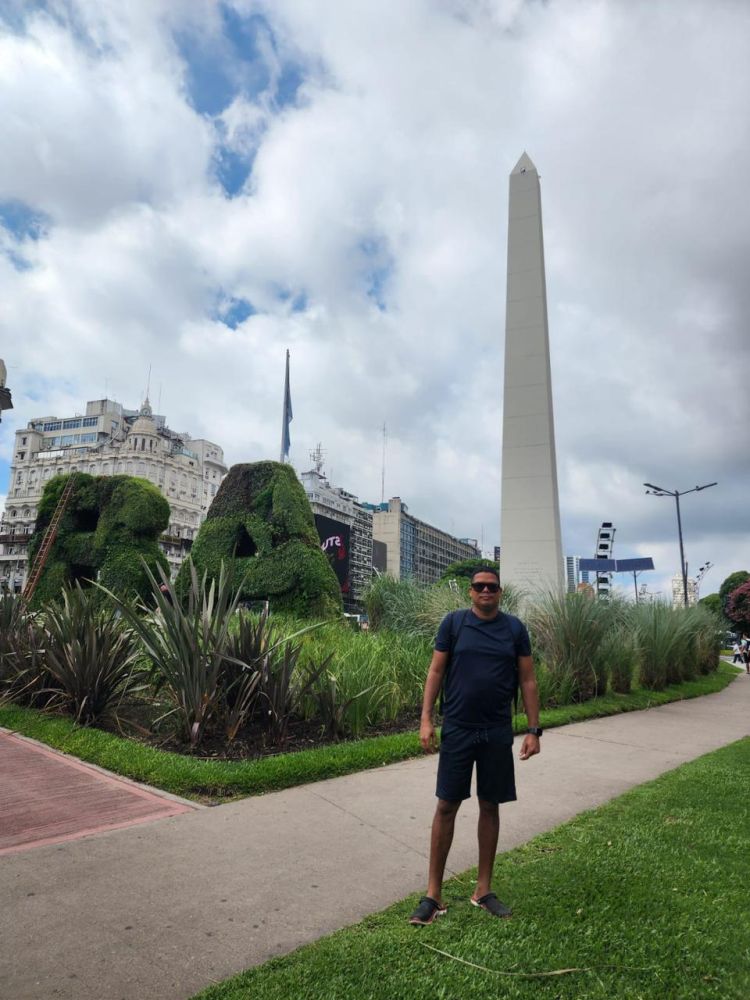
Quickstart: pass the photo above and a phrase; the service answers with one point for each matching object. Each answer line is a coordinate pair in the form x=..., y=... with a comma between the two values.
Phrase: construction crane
x=48, y=541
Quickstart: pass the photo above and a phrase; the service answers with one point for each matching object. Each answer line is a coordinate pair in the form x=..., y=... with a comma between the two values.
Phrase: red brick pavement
x=47, y=797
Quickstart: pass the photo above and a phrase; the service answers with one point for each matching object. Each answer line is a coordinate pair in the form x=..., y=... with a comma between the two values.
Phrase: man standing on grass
x=481, y=657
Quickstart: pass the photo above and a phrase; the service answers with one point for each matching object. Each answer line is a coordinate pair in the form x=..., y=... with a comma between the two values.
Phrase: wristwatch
x=535, y=730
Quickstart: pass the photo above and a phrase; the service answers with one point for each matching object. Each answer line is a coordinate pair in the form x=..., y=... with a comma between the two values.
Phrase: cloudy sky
x=196, y=185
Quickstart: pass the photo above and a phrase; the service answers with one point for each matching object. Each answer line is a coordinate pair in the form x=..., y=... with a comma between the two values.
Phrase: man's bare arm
x=432, y=686
x=530, y=694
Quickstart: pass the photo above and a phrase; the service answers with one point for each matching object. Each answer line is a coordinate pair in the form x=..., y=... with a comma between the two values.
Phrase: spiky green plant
x=24, y=677
x=186, y=642
x=89, y=656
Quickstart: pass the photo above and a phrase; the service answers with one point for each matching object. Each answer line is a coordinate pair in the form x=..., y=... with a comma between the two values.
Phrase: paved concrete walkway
x=159, y=910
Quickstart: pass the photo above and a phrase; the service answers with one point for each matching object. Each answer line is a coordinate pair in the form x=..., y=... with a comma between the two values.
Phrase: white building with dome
x=108, y=440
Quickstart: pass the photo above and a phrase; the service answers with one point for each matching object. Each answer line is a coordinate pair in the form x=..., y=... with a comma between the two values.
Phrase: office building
x=332, y=507
x=414, y=548
x=574, y=575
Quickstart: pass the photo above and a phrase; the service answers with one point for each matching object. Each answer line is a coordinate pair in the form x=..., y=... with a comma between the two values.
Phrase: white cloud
x=370, y=238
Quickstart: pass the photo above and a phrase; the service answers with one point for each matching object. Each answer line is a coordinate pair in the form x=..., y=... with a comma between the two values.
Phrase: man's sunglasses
x=493, y=588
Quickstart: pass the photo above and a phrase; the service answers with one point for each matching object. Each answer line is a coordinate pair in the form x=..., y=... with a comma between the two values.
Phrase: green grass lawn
x=643, y=898
x=182, y=774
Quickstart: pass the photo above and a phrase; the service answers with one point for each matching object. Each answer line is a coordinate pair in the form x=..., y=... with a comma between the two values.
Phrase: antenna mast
x=382, y=471
x=316, y=457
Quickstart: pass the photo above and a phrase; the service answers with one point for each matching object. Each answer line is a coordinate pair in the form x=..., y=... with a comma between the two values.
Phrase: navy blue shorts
x=492, y=752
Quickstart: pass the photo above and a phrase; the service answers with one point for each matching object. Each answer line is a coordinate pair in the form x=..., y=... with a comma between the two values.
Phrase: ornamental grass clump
x=568, y=630
x=380, y=675
x=660, y=643
x=706, y=631
x=619, y=650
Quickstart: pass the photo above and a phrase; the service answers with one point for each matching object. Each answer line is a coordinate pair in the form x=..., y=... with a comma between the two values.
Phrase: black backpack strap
x=455, y=632
x=515, y=631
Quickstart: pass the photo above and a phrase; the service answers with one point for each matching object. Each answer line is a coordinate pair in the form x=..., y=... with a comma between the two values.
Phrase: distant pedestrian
x=166, y=592
x=746, y=652
x=737, y=656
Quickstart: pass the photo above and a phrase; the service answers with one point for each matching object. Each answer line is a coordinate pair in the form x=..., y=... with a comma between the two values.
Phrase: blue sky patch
x=377, y=267
x=233, y=169
x=237, y=62
x=296, y=300
x=24, y=222
x=232, y=312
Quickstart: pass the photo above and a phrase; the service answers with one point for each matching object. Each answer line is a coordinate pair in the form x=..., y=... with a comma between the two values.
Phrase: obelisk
x=530, y=540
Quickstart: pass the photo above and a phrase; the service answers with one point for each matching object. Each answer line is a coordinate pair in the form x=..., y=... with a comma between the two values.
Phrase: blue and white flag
x=286, y=417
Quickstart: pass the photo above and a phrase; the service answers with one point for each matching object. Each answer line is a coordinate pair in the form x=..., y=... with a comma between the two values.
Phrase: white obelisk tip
x=524, y=165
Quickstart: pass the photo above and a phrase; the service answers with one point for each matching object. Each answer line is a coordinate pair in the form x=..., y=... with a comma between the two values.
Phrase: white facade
x=678, y=591
x=530, y=536
x=108, y=440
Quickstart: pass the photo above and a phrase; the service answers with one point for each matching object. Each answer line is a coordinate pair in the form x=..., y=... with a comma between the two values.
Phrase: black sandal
x=492, y=905
x=427, y=911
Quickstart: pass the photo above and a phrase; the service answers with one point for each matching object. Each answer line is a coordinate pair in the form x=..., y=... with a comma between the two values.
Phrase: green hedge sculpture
x=261, y=525
x=110, y=524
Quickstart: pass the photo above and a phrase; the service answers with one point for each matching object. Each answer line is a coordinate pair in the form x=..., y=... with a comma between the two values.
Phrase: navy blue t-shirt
x=480, y=682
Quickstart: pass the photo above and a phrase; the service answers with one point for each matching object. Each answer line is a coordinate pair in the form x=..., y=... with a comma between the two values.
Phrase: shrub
x=261, y=527
x=109, y=531
x=466, y=568
x=738, y=607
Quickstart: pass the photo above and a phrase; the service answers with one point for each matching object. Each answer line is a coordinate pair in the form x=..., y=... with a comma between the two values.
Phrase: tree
x=712, y=602
x=732, y=582
x=467, y=568
x=738, y=607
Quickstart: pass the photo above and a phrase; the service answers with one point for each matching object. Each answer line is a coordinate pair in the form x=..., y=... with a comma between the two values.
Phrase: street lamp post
x=659, y=491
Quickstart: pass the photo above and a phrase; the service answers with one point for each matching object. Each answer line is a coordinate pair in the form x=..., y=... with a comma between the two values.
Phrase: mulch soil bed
x=254, y=743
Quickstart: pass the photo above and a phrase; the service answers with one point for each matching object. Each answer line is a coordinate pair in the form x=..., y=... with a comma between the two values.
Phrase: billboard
x=334, y=541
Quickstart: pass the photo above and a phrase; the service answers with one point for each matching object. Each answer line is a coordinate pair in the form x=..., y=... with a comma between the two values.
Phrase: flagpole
x=286, y=414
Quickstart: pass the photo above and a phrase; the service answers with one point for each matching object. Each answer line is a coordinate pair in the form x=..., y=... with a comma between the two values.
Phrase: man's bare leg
x=443, y=824
x=488, y=830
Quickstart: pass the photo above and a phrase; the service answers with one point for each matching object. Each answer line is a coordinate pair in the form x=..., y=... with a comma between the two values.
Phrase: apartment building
x=108, y=440
x=414, y=548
